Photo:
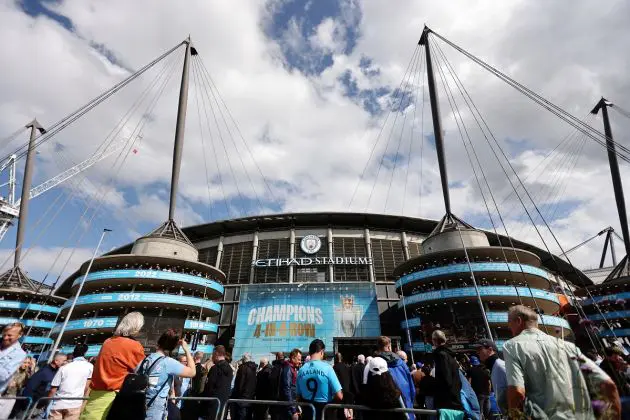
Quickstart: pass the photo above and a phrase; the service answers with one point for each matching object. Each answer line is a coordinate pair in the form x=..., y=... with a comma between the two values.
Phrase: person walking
x=263, y=389
x=479, y=378
x=317, y=382
x=72, y=380
x=11, y=357
x=448, y=385
x=545, y=374
x=488, y=354
x=38, y=385
x=218, y=382
x=244, y=388
x=399, y=371
x=288, y=381
x=162, y=370
x=119, y=355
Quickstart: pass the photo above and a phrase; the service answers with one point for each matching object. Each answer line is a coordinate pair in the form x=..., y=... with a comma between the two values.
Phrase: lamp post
x=76, y=297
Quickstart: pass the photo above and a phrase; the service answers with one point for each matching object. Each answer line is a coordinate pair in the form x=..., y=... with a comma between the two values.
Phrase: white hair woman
x=119, y=355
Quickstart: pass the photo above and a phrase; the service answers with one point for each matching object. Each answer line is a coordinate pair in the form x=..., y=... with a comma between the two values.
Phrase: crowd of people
x=539, y=376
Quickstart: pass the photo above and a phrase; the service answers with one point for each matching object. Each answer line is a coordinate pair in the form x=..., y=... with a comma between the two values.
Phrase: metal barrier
x=418, y=411
x=16, y=399
x=50, y=399
x=265, y=402
x=218, y=402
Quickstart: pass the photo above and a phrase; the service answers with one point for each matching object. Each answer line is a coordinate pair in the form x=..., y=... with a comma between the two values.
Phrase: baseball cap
x=486, y=343
x=377, y=366
x=474, y=360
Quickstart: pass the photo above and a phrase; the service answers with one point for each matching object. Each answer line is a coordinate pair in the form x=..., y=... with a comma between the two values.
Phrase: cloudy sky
x=310, y=105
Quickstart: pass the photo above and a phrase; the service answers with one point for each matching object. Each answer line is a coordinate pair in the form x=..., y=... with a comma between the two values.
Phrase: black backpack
x=130, y=402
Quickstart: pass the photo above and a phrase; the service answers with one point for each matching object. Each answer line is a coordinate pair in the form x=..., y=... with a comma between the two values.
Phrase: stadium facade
x=281, y=280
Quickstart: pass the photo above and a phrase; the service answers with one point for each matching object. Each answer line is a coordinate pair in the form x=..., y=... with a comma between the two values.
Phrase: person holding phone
x=317, y=382
x=162, y=372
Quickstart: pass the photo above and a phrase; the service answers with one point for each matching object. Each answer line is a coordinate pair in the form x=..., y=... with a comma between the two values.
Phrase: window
x=350, y=247
x=387, y=254
x=272, y=249
x=311, y=274
x=236, y=262
x=208, y=255
x=415, y=249
x=226, y=314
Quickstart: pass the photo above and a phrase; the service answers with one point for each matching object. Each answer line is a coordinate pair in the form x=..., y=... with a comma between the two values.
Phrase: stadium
x=281, y=280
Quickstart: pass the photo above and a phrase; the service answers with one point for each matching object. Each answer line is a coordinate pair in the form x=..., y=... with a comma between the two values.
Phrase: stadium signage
x=306, y=261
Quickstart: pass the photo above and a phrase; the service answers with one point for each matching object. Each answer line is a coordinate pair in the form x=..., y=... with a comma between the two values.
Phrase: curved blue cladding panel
x=111, y=322
x=83, y=324
x=421, y=346
x=37, y=323
x=607, y=298
x=501, y=318
x=410, y=323
x=8, y=304
x=620, y=332
x=483, y=291
x=609, y=315
x=113, y=298
x=200, y=325
x=93, y=349
x=477, y=267
x=36, y=340
x=151, y=274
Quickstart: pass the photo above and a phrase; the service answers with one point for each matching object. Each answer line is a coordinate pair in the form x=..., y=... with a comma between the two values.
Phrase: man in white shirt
x=71, y=381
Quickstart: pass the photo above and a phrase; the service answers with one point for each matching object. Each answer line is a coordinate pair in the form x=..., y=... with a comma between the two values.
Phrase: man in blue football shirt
x=317, y=382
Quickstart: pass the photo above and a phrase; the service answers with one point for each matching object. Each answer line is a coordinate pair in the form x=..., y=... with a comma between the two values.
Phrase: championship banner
x=275, y=318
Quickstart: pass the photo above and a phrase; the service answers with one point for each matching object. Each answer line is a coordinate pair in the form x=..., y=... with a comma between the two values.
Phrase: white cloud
x=304, y=133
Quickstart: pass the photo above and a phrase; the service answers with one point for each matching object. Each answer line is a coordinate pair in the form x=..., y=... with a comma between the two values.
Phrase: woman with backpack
x=161, y=371
x=119, y=355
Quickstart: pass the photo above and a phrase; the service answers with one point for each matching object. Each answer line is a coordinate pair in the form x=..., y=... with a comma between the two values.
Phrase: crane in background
x=10, y=206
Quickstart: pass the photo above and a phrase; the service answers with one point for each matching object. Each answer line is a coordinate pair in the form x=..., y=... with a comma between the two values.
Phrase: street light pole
x=76, y=297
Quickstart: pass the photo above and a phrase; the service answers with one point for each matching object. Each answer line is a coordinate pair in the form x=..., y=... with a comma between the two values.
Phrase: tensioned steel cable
x=456, y=113
x=377, y=140
x=103, y=193
x=238, y=130
x=63, y=123
x=591, y=132
x=203, y=143
x=397, y=112
x=225, y=150
x=466, y=99
x=413, y=128
x=402, y=131
x=215, y=95
x=580, y=310
x=108, y=140
x=212, y=144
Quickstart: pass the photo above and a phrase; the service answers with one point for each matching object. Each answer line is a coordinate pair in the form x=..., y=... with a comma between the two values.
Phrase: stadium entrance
x=351, y=347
